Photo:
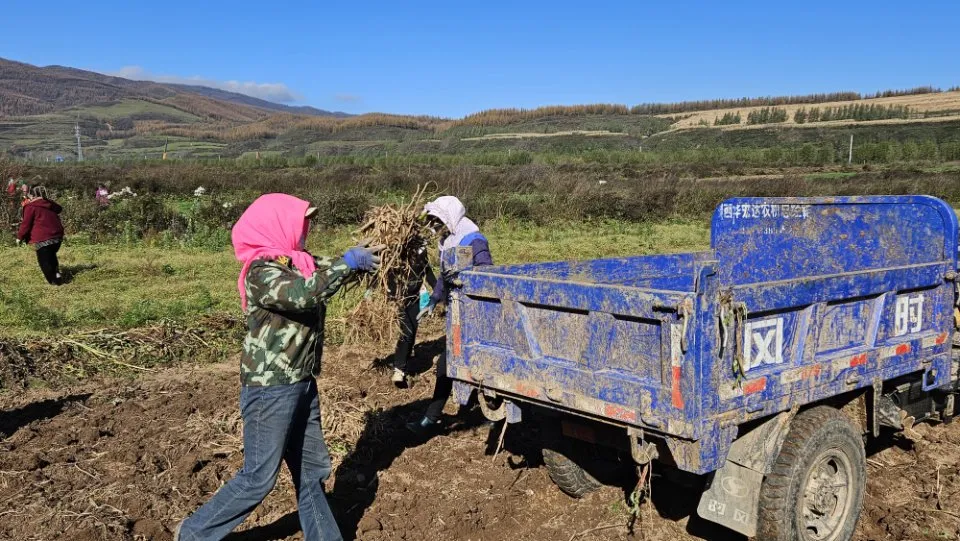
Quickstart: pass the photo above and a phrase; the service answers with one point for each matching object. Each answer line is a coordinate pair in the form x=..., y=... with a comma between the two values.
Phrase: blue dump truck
x=762, y=365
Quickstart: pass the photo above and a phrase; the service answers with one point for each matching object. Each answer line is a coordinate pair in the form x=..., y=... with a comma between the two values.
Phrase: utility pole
x=850, y=155
x=76, y=130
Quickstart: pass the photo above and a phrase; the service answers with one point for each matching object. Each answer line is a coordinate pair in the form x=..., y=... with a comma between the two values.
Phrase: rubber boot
x=425, y=427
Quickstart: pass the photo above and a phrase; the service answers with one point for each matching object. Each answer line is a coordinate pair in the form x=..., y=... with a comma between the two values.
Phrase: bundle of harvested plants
x=375, y=320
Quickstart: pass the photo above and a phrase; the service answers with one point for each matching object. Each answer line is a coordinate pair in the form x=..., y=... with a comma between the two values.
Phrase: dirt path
x=126, y=459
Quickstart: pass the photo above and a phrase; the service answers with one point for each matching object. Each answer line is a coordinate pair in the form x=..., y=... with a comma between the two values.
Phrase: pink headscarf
x=272, y=226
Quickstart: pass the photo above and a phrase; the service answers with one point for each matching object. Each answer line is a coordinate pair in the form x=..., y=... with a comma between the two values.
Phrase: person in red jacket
x=41, y=226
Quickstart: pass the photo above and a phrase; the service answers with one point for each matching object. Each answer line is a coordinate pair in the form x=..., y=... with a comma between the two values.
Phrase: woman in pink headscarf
x=283, y=292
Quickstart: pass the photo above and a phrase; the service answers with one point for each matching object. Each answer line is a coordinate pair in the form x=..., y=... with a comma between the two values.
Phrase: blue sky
x=453, y=58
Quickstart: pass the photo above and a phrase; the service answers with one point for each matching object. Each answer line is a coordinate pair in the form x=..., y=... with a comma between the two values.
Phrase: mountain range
x=46, y=113
x=31, y=90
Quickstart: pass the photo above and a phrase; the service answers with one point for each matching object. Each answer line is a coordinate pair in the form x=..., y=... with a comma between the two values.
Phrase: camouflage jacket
x=285, y=316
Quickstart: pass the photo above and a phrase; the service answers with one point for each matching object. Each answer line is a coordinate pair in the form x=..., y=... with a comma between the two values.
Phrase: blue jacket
x=481, y=256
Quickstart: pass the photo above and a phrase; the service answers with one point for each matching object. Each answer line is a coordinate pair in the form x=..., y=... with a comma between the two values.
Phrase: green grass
x=129, y=286
x=945, y=168
x=832, y=175
x=263, y=154
x=194, y=145
x=113, y=286
x=511, y=243
x=126, y=108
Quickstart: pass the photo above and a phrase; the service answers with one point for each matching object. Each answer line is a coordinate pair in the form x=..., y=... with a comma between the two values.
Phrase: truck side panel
x=611, y=351
x=826, y=296
x=800, y=300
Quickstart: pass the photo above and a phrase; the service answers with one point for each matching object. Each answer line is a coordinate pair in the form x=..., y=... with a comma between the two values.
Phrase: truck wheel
x=815, y=490
x=567, y=473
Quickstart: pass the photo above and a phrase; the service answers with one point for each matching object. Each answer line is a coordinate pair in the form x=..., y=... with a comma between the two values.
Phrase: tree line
x=907, y=92
x=503, y=116
x=767, y=115
x=727, y=119
x=706, y=105
x=859, y=112
x=769, y=101
x=500, y=117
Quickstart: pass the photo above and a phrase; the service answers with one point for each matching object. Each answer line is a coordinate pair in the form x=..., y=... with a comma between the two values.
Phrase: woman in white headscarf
x=448, y=216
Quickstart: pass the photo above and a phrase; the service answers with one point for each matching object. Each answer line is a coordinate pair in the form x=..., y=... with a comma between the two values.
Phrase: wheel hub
x=827, y=496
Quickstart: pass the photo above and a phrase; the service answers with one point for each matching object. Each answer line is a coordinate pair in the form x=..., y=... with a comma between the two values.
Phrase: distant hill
x=233, y=97
x=30, y=90
x=118, y=118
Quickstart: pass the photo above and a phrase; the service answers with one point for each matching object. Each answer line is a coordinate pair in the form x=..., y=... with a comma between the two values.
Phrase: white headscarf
x=452, y=213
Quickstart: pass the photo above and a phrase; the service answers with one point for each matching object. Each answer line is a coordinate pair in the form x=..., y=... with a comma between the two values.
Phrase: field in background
x=164, y=254
x=937, y=105
x=127, y=286
x=134, y=121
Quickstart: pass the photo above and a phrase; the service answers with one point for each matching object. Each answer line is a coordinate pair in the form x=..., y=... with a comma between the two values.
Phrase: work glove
x=448, y=274
x=427, y=310
x=364, y=257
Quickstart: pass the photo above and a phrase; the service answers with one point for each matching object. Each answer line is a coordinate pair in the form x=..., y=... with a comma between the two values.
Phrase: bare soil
x=125, y=459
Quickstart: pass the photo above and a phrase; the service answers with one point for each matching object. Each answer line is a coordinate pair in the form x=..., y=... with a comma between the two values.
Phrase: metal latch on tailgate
x=684, y=311
x=678, y=347
x=732, y=317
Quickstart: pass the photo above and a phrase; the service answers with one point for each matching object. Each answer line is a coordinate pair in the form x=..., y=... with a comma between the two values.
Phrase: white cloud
x=275, y=92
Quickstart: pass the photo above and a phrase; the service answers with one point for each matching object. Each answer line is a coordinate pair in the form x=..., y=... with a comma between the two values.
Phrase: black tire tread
x=572, y=479
x=775, y=521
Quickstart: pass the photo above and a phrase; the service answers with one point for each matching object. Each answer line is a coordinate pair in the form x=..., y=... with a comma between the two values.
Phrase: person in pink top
x=102, y=196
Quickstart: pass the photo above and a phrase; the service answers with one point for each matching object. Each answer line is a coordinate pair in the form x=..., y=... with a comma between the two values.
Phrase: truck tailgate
x=554, y=333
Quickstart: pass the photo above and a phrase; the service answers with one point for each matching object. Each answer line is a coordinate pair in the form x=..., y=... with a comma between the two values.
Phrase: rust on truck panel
x=676, y=396
x=457, y=340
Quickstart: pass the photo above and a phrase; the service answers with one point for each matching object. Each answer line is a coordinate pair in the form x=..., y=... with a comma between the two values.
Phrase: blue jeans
x=280, y=423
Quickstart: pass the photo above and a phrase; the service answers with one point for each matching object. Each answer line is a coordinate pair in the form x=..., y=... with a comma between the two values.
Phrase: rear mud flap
x=732, y=498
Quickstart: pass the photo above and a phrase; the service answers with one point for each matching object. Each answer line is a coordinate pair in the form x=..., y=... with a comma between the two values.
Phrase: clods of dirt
x=127, y=459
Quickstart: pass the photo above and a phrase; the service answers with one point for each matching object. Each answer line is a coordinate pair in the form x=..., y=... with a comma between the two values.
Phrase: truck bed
x=798, y=300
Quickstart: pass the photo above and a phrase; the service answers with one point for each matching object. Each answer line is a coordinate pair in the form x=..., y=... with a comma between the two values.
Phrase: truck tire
x=815, y=489
x=567, y=474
